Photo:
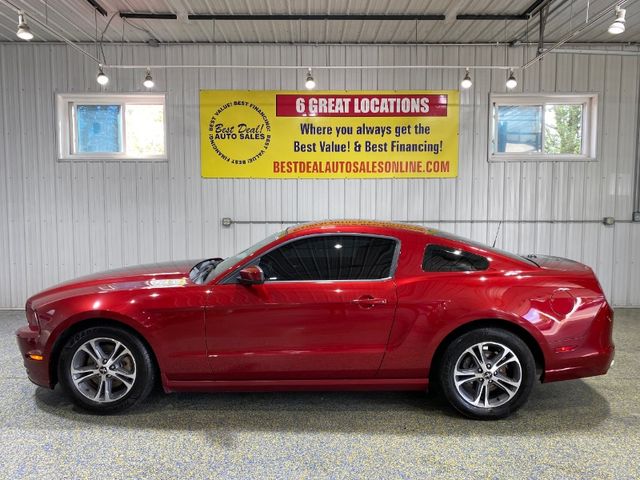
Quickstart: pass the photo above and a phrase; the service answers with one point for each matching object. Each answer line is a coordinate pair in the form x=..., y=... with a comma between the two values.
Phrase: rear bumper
x=592, y=357
x=589, y=365
x=37, y=370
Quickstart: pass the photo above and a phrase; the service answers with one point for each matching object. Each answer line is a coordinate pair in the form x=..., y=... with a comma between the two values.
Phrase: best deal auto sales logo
x=239, y=132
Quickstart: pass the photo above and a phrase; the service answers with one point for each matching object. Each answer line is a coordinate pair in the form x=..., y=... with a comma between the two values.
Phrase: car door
x=325, y=310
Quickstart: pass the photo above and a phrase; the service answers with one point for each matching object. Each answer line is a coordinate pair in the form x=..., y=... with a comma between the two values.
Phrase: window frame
x=462, y=250
x=232, y=278
x=66, y=127
x=589, y=125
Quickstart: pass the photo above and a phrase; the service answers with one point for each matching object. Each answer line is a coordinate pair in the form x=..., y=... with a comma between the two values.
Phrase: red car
x=322, y=306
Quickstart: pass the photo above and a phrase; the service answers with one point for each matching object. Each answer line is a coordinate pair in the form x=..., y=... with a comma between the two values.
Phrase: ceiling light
x=466, y=81
x=310, y=83
x=24, y=32
x=511, y=81
x=618, y=25
x=148, y=80
x=102, y=79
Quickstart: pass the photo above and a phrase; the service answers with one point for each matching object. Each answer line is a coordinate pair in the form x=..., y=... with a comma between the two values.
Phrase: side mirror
x=252, y=275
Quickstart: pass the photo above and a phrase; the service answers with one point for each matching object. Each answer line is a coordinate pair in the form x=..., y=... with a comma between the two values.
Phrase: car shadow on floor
x=552, y=408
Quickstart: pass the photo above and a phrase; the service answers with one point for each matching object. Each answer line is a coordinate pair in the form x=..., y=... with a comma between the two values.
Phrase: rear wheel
x=487, y=373
x=106, y=369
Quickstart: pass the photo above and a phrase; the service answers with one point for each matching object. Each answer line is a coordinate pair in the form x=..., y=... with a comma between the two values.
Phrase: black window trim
x=462, y=249
x=232, y=277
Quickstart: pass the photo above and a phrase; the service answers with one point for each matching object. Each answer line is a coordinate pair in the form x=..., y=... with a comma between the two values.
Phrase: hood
x=153, y=270
x=131, y=277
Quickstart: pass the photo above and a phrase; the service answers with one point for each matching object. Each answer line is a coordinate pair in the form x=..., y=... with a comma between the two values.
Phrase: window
x=447, y=259
x=331, y=257
x=102, y=126
x=543, y=127
x=487, y=248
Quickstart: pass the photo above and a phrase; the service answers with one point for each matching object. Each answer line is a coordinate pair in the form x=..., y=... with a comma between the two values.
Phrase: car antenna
x=497, y=232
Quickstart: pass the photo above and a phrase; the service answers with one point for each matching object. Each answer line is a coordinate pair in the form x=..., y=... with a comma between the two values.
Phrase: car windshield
x=231, y=261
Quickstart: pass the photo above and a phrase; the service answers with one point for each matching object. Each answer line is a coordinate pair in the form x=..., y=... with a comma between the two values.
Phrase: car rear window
x=438, y=258
x=504, y=253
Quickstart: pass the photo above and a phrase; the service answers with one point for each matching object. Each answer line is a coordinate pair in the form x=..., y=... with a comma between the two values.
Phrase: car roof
x=379, y=227
x=342, y=225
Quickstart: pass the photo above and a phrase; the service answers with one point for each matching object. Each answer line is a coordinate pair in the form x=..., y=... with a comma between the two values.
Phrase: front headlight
x=32, y=319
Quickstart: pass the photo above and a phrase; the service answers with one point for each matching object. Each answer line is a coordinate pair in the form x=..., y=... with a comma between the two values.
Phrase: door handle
x=368, y=300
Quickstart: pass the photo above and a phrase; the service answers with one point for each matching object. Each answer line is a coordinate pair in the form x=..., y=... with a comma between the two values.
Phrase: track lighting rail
x=291, y=17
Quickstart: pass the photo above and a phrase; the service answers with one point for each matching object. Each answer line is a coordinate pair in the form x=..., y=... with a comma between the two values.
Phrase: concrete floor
x=579, y=429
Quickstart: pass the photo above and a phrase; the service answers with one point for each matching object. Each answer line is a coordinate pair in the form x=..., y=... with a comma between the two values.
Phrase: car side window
x=330, y=257
x=448, y=259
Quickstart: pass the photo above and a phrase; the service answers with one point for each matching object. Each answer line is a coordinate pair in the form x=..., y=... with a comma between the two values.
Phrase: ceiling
x=76, y=19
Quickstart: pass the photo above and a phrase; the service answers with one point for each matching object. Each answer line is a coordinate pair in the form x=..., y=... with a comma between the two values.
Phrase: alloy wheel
x=103, y=370
x=487, y=374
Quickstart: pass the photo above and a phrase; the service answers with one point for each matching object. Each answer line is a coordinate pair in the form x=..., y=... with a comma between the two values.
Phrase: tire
x=498, y=387
x=112, y=369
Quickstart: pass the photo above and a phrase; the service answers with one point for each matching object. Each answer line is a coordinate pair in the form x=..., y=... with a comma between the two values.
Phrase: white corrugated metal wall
x=62, y=219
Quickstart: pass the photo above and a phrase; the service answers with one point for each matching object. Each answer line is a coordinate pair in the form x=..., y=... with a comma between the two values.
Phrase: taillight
x=600, y=286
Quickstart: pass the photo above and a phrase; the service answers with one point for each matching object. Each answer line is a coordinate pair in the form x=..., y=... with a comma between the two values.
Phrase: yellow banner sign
x=377, y=134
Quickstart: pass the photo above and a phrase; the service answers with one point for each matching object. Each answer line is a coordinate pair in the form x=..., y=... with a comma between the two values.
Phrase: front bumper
x=37, y=370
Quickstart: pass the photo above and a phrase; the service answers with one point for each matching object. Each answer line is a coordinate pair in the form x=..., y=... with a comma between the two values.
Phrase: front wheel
x=487, y=373
x=106, y=369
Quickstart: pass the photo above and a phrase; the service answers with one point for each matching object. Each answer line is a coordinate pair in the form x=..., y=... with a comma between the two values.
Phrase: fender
x=61, y=330
x=488, y=315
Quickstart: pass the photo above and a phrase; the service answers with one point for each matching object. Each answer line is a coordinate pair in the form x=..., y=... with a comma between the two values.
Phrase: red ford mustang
x=331, y=305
